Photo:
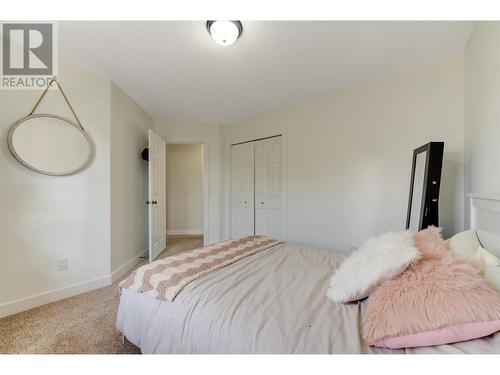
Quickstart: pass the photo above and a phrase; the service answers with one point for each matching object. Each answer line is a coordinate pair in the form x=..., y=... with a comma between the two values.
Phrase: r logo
x=27, y=49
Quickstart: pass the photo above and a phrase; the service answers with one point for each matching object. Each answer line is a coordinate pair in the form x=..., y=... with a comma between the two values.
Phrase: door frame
x=227, y=179
x=204, y=181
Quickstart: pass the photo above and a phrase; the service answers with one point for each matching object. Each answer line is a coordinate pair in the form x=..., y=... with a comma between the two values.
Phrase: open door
x=157, y=192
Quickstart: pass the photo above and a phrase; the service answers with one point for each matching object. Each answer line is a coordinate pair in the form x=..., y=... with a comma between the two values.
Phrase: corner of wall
x=128, y=181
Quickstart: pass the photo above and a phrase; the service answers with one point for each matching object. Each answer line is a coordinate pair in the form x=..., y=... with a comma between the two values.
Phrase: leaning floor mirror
x=425, y=181
x=51, y=144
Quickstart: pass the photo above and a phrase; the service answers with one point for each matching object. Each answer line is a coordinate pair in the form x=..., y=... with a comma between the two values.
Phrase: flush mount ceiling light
x=224, y=33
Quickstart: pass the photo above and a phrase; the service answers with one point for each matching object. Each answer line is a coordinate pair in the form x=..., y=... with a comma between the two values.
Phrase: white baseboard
x=193, y=232
x=123, y=269
x=37, y=300
x=54, y=295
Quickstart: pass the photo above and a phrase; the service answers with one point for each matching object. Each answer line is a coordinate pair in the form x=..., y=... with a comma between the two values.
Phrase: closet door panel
x=242, y=190
x=268, y=187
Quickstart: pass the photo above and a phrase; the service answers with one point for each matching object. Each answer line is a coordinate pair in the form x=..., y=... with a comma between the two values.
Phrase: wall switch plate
x=62, y=264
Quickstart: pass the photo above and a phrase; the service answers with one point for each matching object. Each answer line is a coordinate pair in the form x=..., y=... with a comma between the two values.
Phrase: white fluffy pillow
x=378, y=259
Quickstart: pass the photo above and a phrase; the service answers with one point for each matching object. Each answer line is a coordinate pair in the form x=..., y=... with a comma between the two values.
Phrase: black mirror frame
x=429, y=211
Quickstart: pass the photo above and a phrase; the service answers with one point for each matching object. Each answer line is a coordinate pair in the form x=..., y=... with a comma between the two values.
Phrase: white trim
x=193, y=232
x=284, y=185
x=54, y=295
x=37, y=300
x=491, y=197
x=123, y=269
x=482, y=202
x=485, y=220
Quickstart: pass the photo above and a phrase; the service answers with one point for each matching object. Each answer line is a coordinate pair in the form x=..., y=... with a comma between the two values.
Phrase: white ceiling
x=178, y=74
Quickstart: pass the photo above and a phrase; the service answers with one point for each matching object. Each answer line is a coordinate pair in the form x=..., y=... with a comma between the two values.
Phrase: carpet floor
x=83, y=324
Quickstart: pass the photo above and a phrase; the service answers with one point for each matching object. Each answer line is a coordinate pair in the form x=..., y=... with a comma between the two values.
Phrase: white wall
x=348, y=154
x=129, y=181
x=95, y=219
x=184, y=188
x=44, y=218
x=482, y=110
x=210, y=136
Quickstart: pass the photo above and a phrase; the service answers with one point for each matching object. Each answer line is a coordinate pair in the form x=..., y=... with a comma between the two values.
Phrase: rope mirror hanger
x=64, y=149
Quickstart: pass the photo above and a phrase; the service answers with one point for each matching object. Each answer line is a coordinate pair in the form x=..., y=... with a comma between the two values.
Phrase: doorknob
x=261, y=202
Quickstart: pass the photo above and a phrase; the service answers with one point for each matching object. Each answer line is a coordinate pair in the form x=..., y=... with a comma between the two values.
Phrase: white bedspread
x=271, y=302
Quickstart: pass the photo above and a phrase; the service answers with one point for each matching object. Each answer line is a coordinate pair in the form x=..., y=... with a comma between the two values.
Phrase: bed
x=270, y=302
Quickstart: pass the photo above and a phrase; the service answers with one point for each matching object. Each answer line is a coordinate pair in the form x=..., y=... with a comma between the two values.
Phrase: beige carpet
x=84, y=324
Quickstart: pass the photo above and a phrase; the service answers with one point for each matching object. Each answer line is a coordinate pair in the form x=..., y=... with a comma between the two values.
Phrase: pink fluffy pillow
x=430, y=244
x=432, y=303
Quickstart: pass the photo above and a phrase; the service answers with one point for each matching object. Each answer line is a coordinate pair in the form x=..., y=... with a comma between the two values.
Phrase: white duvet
x=270, y=302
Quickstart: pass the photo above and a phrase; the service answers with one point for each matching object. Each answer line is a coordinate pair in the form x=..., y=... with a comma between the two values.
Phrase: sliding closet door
x=242, y=190
x=268, y=188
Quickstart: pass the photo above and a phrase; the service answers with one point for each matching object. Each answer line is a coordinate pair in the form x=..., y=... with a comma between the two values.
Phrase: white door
x=268, y=215
x=157, y=192
x=242, y=190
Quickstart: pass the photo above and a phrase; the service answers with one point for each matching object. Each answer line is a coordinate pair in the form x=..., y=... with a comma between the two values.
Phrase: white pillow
x=487, y=258
x=492, y=274
x=464, y=244
x=378, y=259
x=489, y=266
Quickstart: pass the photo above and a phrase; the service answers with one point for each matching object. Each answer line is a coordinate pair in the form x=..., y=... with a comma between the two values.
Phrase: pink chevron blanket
x=165, y=278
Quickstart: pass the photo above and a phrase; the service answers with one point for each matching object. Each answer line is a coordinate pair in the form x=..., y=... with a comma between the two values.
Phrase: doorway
x=184, y=171
x=177, y=195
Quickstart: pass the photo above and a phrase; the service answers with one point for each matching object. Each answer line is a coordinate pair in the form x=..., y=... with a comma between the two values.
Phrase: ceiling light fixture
x=225, y=33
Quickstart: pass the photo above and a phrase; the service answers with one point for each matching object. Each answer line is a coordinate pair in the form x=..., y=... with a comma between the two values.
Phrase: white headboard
x=485, y=219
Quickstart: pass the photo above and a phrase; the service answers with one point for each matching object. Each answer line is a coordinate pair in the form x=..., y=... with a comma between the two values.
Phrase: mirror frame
x=429, y=210
x=14, y=153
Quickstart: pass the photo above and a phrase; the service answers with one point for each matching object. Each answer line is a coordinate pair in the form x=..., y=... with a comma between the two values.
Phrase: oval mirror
x=50, y=144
